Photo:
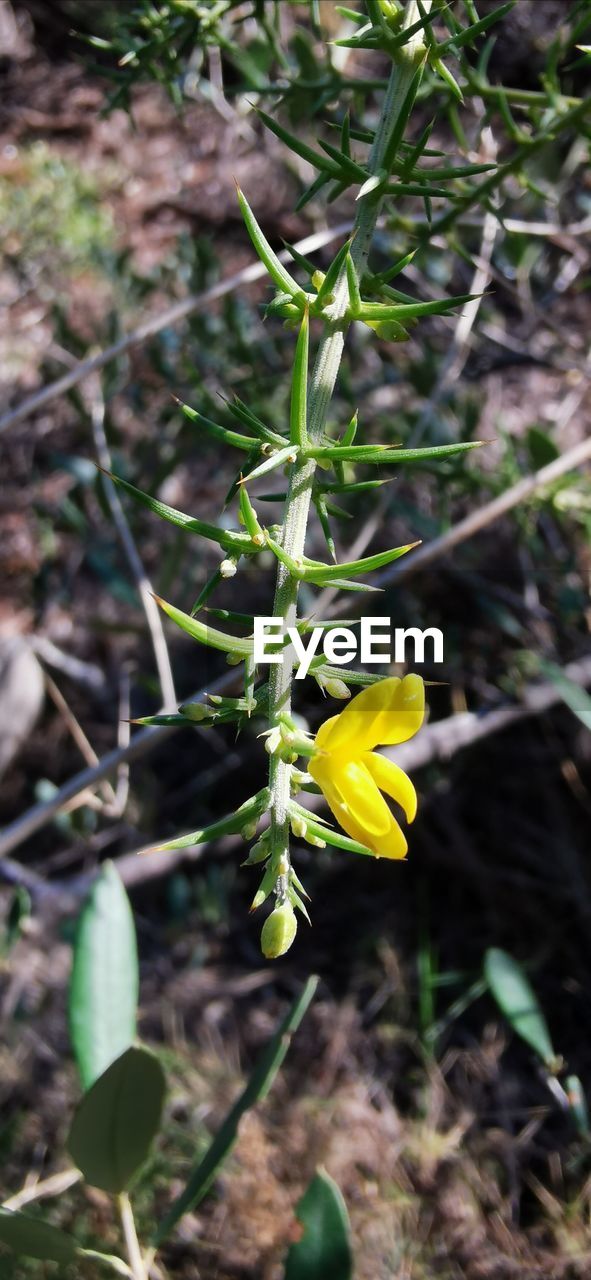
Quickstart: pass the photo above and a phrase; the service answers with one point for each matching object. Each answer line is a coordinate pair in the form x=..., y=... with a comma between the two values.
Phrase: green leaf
x=324, y=1251
x=249, y=520
x=411, y=310
x=322, y=512
x=117, y=1120
x=206, y=635
x=214, y=429
x=577, y=699
x=516, y=999
x=349, y=675
x=352, y=285
x=36, y=1239
x=298, y=412
x=402, y=117
x=243, y=414
x=332, y=837
x=258, y=1086
x=267, y=255
x=301, y=149
x=384, y=453
x=448, y=78
x=278, y=459
x=331, y=278
x=239, y=542
x=251, y=808
x=104, y=982
x=313, y=570
x=469, y=34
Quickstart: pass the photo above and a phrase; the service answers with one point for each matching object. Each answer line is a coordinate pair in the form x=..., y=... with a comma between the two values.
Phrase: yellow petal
x=320, y=770
x=404, y=714
x=389, y=777
x=324, y=730
x=389, y=843
x=393, y=844
x=385, y=713
x=362, y=798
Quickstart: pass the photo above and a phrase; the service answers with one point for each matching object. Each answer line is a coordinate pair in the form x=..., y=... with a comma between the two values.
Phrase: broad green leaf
x=104, y=982
x=258, y=1086
x=35, y=1239
x=324, y=1251
x=576, y=698
x=236, y=542
x=117, y=1120
x=238, y=645
x=515, y=997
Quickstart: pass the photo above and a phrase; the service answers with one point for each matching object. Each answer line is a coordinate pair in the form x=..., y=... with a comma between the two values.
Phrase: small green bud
x=234, y=659
x=279, y=931
x=336, y=688
x=391, y=11
x=196, y=711
x=249, y=830
x=318, y=279
x=259, y=852
x=316, y=840
x=299, y=827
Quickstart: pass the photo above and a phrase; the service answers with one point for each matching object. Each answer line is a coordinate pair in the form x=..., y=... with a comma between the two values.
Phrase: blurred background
x=455, y=1155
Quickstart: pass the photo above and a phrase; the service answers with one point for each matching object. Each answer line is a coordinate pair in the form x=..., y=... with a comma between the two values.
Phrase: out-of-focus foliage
x=52, y=218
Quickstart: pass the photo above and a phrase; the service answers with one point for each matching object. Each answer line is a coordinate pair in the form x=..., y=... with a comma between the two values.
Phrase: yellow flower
x=351, y=775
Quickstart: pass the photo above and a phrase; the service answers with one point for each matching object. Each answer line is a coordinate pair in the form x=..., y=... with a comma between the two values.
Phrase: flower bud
x=299, y=827
x=234, y=659
x=279, y=931
x=336, y=688
x=228, y=568
x=259, y=852
x=196, y=711
x=249, y=830
x=316, y=840
x=274, y=741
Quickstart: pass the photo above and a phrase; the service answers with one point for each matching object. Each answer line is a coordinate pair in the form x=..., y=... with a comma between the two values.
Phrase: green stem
x=132, y=1244
x=322, y=384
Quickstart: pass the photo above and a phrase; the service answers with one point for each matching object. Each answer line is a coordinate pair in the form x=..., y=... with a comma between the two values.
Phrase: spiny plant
x=389, y=167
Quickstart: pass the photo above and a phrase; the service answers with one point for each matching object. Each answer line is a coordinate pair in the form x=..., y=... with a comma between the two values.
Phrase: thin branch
x=143, y=584
x=194, y=302
x=483, y=516
x=86, y=749
x=40, y=1190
